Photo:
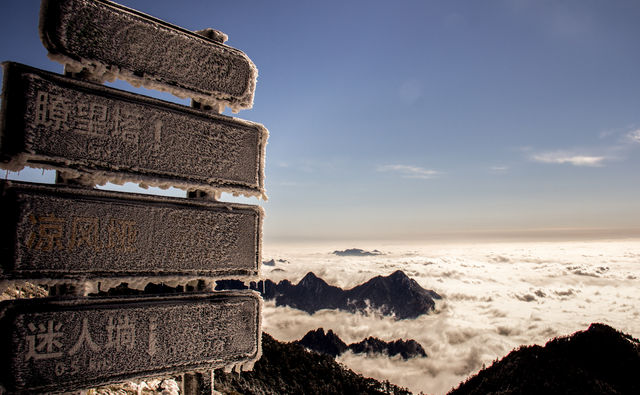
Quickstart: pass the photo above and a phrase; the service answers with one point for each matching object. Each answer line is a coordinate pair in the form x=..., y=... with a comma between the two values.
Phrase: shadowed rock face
x=406, y=348
x=326, y=343
x=329, y=343
x=600, y=360
x=310, y=294
x=394, y=295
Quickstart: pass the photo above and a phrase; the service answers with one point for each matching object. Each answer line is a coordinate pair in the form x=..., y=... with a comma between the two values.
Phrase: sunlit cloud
x=496, y=297
x=561, y=157
x=407, y=171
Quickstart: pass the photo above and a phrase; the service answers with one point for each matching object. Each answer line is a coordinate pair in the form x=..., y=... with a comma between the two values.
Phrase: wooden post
x=198, y=383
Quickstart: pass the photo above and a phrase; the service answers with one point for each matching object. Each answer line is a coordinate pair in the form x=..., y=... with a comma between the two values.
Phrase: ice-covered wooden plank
x=104, y=134
x=112, y=41
x=62, y=345
x=76, y=233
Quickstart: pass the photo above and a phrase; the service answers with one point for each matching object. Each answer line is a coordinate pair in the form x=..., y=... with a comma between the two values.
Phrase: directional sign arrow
x=61, y=345
x=115, y=41
x=109, y=135
x=63, y=232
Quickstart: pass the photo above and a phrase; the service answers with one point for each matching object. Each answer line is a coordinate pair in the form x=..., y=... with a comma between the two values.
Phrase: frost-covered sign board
x=64, y=234
x=106, y=134
x=77, y=233
x=112, y=41
x=61, y=345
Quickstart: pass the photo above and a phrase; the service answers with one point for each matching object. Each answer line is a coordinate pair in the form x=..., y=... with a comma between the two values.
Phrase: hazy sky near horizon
x=414, y=119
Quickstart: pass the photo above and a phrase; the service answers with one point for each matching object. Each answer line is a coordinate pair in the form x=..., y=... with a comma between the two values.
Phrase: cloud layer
x=496, y=297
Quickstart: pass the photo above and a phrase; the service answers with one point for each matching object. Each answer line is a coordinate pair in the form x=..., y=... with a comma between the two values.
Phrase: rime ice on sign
x=65, y=232
x=63, y=345
x=107, y=134
x=114, y=41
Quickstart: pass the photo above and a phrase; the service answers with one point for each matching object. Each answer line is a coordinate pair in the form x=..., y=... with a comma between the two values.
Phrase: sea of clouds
x=496, y=297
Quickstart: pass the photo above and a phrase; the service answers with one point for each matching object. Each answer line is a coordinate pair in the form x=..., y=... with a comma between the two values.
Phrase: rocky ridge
x=395, y=295
x=329, y=343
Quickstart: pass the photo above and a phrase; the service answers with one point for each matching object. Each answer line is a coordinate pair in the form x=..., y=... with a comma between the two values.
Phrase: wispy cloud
x=562, y=157
x=407, y=171
x=634, y=136
x=499, y=169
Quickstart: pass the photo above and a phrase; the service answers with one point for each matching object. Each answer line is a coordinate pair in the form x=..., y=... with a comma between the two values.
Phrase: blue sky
x=414, y=120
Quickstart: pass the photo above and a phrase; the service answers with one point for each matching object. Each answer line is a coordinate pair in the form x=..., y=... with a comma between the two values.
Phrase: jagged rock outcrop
x=394, y=295
x=325, y=343
x=600, y=360
x=329, y=343
x=406, y=348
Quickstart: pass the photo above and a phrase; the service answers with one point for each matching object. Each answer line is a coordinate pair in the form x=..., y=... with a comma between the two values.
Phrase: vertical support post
x=198, y=383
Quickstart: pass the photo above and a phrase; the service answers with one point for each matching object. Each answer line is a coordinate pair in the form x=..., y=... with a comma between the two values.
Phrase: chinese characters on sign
x=48, y=233
x=65, y=344
x=61, y=122
x=65, y=231
x=92, y=118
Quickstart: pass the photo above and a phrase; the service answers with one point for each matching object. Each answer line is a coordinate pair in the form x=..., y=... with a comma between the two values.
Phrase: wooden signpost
x=65, y=235
x=112, y=41
x=106, y=134
x=63, y=232
x=62, y=345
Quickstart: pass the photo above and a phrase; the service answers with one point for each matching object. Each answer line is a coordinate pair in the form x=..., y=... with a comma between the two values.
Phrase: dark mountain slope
x=287, y=368
x=600, y=360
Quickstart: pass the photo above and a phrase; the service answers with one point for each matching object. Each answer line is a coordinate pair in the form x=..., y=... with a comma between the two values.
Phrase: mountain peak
x=398, y=275
x=310, y=278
